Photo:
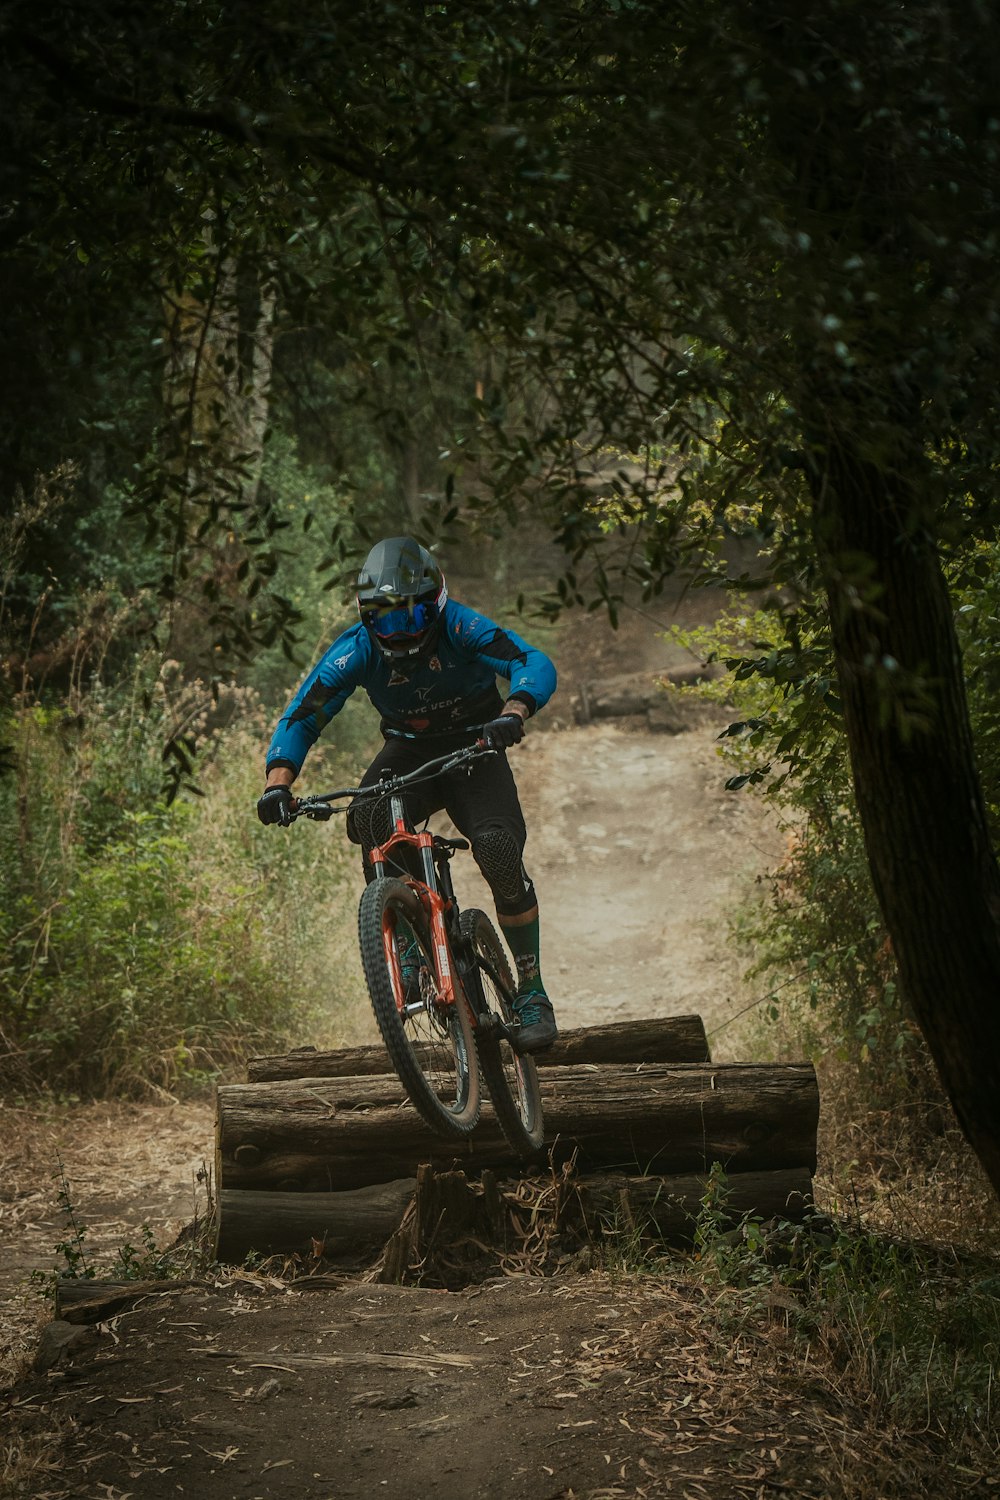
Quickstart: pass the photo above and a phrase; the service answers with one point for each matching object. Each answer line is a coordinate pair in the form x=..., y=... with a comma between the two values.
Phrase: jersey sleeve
x=323, y=694
x=531, y=674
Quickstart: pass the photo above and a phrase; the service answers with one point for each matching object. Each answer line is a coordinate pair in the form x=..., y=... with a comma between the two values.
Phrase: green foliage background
x=148, y=945
x=644, y=272
x=817, y=939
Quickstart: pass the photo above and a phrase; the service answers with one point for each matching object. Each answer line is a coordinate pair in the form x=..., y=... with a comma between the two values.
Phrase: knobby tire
x=512, y=1080
x=432, y=1050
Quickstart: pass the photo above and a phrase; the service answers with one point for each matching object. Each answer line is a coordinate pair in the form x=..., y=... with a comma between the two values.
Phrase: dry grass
x=31, y=1461
x=764, y=1401
x=905, y=1170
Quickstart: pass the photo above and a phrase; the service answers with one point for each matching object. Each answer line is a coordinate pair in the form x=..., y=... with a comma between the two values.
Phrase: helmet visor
x=395, y=619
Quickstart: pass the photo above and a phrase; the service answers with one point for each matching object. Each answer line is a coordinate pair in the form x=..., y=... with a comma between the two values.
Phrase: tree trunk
x=217, y=393
x=216, y=397
x=672, y=1039
x=328, y=1134
x=410, y=465
x=252, y=412
x=915, y=777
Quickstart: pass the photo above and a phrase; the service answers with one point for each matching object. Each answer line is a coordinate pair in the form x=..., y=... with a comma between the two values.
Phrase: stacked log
x=330, y=1134
x=270, y=1223
x=671, y=1039
x=664, y=1206
x=320, y=1146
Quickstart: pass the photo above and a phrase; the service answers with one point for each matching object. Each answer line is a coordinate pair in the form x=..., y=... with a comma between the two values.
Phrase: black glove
x=276, y=806
x=500, y=734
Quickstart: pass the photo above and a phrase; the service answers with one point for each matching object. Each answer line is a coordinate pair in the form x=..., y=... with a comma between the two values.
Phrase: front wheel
x=430, y=1044
x=512, y=1080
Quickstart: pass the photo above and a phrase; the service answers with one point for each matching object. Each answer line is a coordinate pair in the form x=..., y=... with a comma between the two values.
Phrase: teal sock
x=523, y=944
x=408, y=949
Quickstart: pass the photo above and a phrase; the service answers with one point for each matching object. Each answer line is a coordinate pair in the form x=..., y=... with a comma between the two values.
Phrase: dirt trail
x=583, y=1386
x=639, y=856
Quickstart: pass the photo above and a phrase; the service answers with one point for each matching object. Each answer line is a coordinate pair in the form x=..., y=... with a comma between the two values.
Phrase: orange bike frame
x=433, y=903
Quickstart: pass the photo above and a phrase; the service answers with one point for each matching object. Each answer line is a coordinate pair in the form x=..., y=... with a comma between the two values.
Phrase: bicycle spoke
x=511, y=1079
x=430, y=1044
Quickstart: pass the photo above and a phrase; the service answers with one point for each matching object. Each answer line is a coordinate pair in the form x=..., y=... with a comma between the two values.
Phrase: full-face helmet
x=401, y=593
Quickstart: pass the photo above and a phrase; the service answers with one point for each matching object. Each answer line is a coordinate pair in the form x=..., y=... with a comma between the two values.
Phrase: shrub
x=142, y=945
x=817, y=937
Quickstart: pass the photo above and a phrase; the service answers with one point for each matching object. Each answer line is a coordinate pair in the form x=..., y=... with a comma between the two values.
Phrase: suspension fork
x=435, y=892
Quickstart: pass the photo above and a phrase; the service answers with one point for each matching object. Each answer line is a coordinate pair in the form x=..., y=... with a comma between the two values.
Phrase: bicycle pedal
x=492, y=1025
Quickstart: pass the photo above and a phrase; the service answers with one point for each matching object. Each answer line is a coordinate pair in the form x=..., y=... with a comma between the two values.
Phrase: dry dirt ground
x=591, y=1385
x=586, y=1388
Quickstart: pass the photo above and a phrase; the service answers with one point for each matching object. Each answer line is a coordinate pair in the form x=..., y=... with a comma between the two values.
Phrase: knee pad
x=499, y=858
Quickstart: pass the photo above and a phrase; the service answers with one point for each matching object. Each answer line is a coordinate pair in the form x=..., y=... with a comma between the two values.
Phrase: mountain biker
x=429, y=665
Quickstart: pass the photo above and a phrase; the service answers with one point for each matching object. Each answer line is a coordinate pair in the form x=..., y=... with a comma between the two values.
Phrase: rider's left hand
x=500, y=734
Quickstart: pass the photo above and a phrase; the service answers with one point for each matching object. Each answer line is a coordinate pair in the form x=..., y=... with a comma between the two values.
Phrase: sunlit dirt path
x=640, y=857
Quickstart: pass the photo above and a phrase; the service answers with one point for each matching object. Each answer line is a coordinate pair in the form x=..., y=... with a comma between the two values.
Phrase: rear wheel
x=511, y=1080
x=430, y=1044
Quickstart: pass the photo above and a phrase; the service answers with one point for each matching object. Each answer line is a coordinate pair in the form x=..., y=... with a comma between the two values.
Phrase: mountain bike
x=438, y=978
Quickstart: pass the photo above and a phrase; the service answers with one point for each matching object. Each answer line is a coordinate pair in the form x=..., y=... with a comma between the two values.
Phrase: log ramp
x=322, y=1150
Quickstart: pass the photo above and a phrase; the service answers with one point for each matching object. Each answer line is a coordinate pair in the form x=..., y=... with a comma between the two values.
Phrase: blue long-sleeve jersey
x=445, y=698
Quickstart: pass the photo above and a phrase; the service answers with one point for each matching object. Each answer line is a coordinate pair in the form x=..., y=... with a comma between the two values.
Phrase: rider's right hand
x=275, y=806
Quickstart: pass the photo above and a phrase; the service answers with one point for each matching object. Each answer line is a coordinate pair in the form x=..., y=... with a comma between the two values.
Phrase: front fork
x=436, y=895
x=453, y=958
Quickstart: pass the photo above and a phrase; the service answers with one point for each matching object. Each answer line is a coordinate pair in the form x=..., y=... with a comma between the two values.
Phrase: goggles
x=396, y=619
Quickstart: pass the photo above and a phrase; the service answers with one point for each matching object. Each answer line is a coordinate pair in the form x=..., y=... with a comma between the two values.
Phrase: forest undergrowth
x=147, y=944
x=895, y=1287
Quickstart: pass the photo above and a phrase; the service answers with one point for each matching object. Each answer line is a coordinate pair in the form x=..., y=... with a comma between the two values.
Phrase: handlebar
x=319, y=809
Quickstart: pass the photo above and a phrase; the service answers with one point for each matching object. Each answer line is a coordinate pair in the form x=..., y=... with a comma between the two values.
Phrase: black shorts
x=476, y=798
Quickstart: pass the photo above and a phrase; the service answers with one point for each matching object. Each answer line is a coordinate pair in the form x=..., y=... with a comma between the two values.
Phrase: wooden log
x=316, y=1135
x=80, y=1299
x=669, y=1206
x=669, y=1039
x=692, y=672
x=271, y=1223
x=665, y=1208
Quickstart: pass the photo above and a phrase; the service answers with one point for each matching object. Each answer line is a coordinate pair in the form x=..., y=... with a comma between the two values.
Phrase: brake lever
x=320, y=812
x=468, y=761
